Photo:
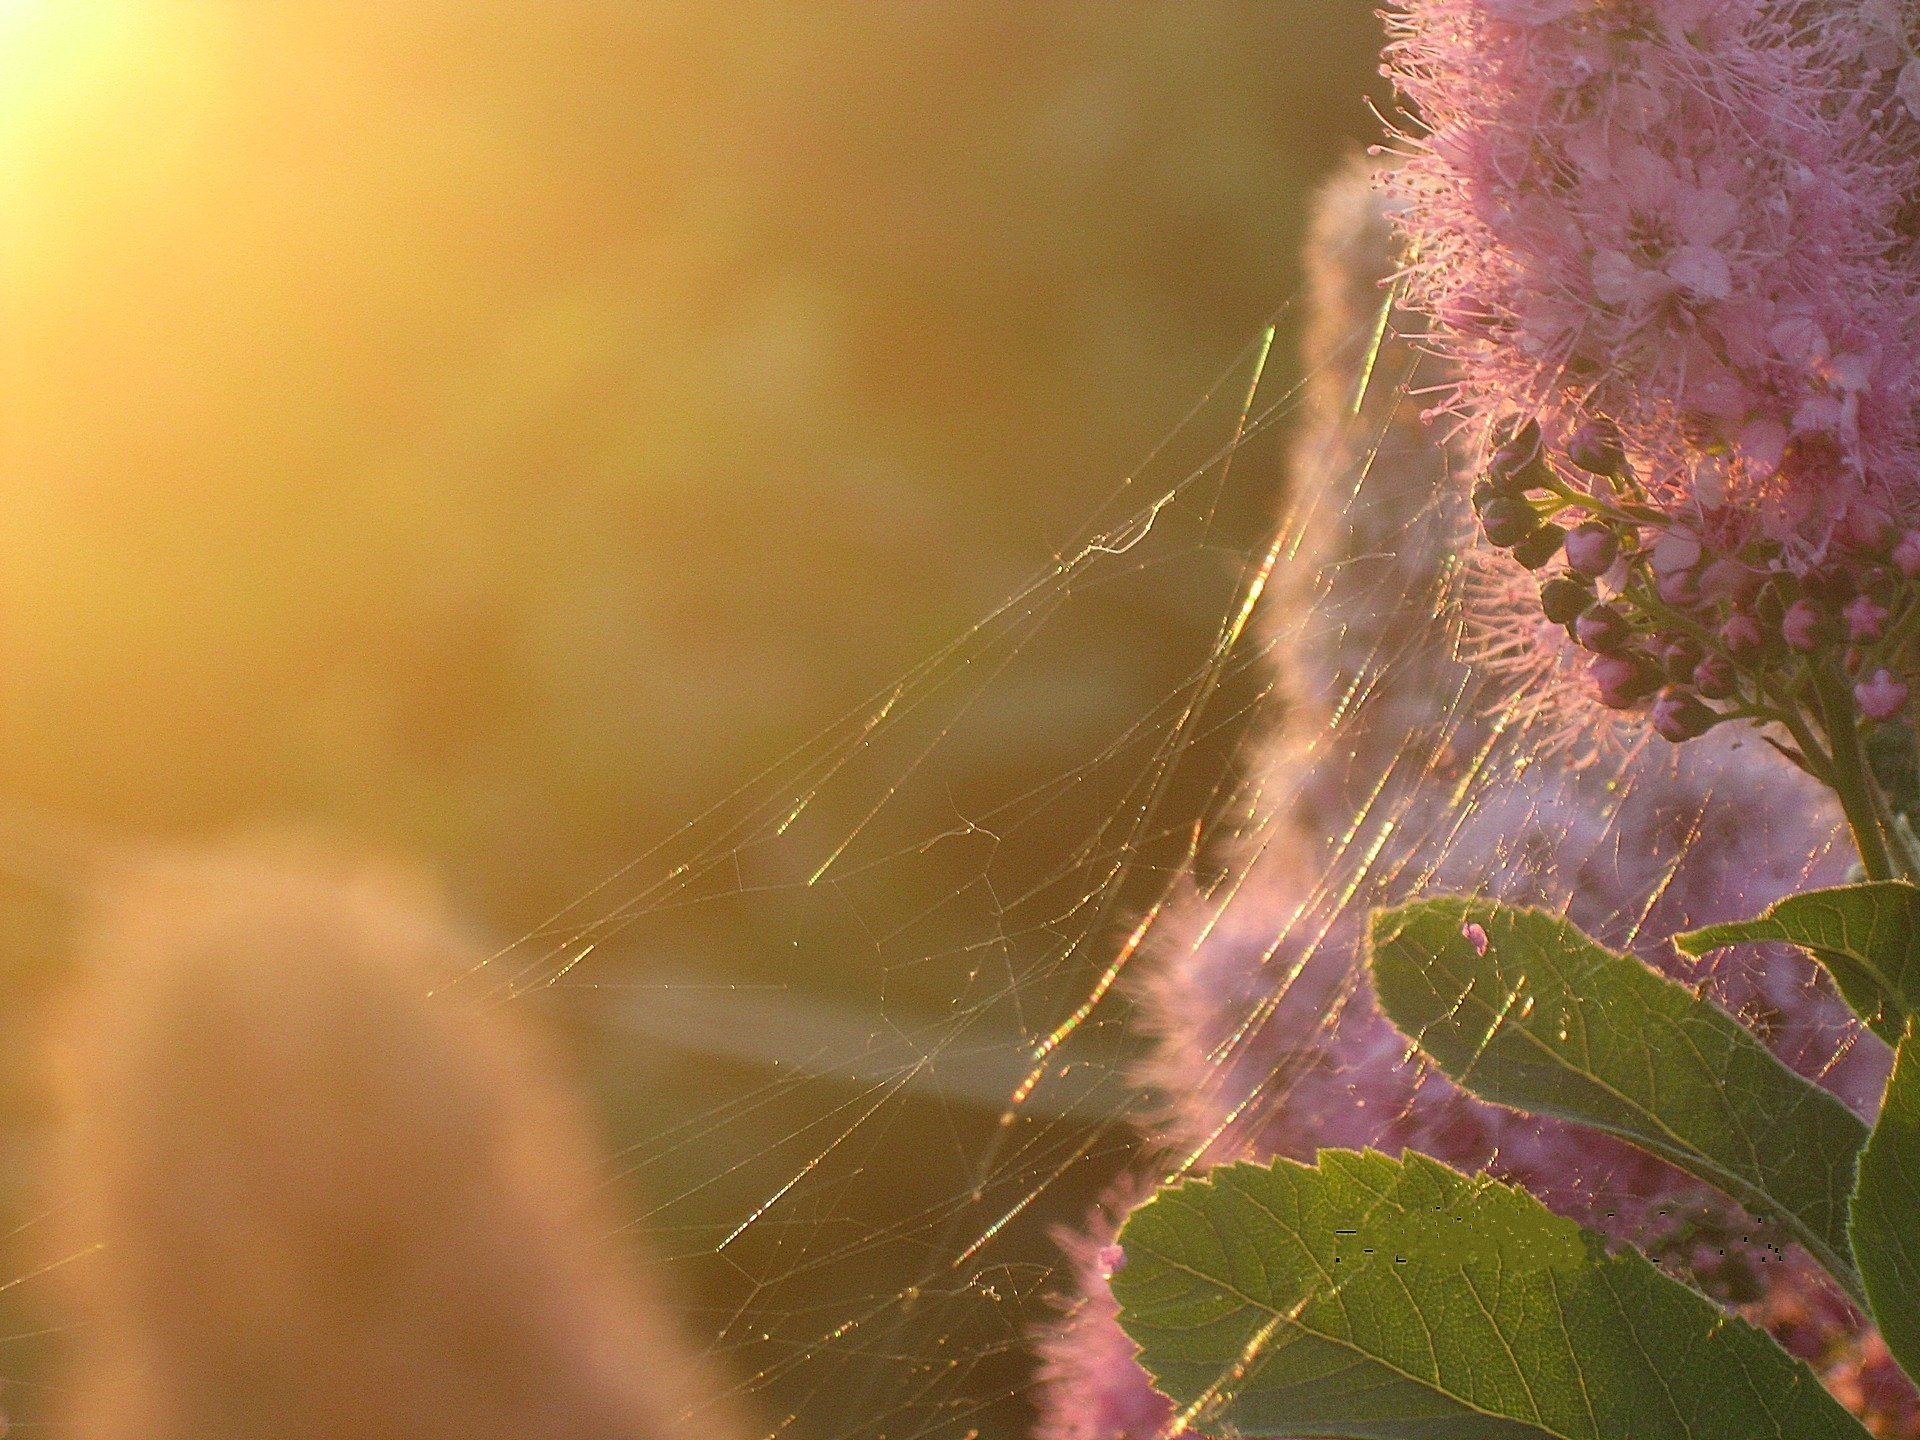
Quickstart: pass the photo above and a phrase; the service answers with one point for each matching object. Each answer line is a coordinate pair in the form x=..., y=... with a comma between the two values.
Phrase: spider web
x=994, y=1049
x=864, y=1190
x=1181, y=965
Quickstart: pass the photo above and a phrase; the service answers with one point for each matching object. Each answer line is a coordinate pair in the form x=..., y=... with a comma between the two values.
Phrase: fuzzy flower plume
x=1666, y=247
x=1682, y=216
x=320, y=1188
x=1394, y=772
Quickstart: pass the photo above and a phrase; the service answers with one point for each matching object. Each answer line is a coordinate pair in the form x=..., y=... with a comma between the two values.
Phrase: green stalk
x=1850, y=779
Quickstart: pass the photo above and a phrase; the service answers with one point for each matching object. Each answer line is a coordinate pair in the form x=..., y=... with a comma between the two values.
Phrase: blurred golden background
x=499, y=429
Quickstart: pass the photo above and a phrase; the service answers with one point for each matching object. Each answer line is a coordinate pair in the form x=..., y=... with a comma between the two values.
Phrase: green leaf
x=1886, y=1211
x=1868, y=936
x=1373, y=1299
x=1546, y=1020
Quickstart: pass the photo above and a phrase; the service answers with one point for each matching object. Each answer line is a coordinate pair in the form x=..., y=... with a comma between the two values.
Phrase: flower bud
x=1727, y=579
x=1741, y=635
x=1517, y=464
x=1675, y=549
x=1508, y=520
x=1604, y=629
x=1521, y=436
x=1866, y=619
x=1622, y=681
x=1678, y=715
x=1678, y=588
x=1807, y=627
x=1882, y=697
x=1906, y=555
x=1868, y=529
x=1713, y=677
x=1508, y=472
x=1563, y=599
x=1540, y=547
x=1595, y=448
x=1680, y=657
x=1592, y=548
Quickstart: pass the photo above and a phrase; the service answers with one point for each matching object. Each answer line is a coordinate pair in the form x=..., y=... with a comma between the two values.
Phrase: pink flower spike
x=1109, y=1261
x=1882, y=697
x=1866, y=619
x=1476, y=936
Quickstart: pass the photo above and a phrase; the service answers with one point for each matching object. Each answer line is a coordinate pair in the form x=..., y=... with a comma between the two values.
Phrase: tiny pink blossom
x=1475, y=935
x=1866, y=619
x=1882, y=697
x=1805, y=626
x=1109, y=1261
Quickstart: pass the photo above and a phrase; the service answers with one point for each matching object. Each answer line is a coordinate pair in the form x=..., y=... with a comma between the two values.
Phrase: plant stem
x=1849, y=778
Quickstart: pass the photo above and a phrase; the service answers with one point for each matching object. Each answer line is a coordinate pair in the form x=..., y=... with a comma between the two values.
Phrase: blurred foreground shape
x=337, y=1188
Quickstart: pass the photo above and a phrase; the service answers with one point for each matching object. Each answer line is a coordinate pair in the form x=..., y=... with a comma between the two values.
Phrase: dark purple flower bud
x=1595, y=448
x=1508, y=520
x=1592, y=548
x=1520, y=434
x=1807, y=627
x=1906, y=555
x=1713, y=677
x=1604, y=629
x=1881, y=697
x=1563, y=598
x=1622, y=681
x=1742, y=635
x=1678, y=715
x=1866, y=619
x=1679, y=657
x=1540, y=547
x=1507, y=471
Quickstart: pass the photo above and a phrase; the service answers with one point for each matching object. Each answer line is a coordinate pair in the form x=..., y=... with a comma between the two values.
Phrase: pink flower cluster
x=1686, y=217
x=1667, y=247
x=1394, y=774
